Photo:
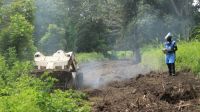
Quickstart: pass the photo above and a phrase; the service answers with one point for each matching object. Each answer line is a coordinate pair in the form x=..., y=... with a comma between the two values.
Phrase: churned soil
x=152, y=92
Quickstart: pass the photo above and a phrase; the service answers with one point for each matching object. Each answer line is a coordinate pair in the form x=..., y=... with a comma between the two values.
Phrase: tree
x=195, y=33
x=13, y=7
x=18, y=35
x=91, y=37
x=25, y=8
x=71, y=14
x=53, y=40
x=146, y=21
x=16, y=27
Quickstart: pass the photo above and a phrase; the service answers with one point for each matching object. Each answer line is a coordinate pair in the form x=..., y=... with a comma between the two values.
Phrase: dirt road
x=151, y=92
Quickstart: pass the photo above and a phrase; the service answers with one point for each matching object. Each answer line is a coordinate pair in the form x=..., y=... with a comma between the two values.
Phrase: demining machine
x=62, y=66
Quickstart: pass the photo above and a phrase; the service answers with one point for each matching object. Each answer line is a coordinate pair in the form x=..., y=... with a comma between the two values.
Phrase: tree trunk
x=179, y=13
x=137, y=56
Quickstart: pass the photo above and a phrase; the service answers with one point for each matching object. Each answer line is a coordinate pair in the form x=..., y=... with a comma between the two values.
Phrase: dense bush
x=20, y=92
x=92, y=36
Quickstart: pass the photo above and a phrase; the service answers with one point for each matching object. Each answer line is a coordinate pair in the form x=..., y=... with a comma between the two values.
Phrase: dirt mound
x=153, y=92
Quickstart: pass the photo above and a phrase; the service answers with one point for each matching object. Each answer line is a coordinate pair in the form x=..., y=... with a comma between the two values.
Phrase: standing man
x=170, y=52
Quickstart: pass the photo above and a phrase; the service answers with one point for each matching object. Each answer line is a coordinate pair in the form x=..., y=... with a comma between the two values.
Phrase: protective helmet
x=168, y=36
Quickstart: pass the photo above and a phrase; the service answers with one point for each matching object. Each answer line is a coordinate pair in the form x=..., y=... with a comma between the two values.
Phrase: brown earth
x=152, y=92
x=114, y=86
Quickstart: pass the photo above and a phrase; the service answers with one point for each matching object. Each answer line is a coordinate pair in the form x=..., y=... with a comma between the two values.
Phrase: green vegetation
x=104, y=29
x=120, y=54
x=52, y=36
x=153, y=58
x=94, y=56
x=86, y=57
x=21, y=92
x=97, y=38
x=187, y=57
x=17, y=28
x=92, y=26
x=195, y=34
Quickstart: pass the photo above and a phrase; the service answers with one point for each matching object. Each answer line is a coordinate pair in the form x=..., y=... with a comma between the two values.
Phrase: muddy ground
x=150, y=92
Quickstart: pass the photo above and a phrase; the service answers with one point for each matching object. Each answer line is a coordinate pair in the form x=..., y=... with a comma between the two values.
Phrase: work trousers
x=171, y=68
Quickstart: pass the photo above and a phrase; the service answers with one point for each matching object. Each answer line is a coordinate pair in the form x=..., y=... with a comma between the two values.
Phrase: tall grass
x=153, y=58
x=187, y=57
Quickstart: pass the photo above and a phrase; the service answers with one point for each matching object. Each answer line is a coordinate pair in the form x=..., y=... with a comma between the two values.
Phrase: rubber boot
x=173, y=69
x=169, y=68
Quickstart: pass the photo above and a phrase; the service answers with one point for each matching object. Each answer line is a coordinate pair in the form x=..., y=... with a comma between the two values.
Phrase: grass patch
x=120, y=54
x=93, y=56
x=86, y=57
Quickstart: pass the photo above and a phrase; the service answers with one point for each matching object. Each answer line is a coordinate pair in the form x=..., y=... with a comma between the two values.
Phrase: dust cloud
x=97, y=74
